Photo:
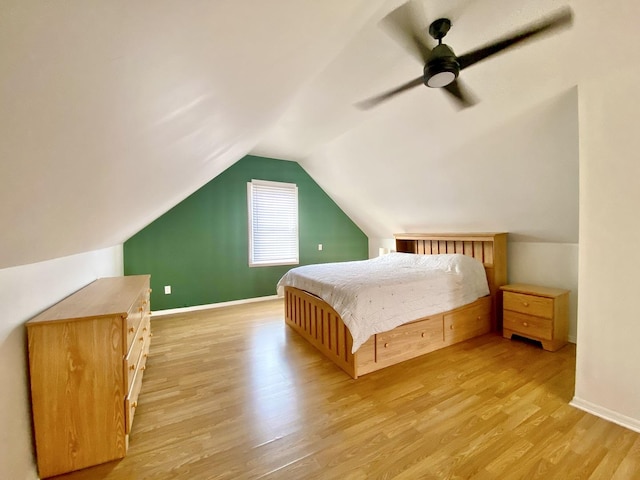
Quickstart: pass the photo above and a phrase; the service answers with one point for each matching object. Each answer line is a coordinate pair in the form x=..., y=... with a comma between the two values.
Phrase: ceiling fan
x=441, y=65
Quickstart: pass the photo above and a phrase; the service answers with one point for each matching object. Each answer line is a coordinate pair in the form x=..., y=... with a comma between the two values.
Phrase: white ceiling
x=114, y=111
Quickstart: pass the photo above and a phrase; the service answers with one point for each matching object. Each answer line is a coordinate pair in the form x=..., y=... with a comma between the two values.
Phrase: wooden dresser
x=87, y=356
x=538, y=313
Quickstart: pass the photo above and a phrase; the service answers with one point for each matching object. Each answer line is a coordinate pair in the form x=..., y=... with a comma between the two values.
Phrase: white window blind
x=273, y=223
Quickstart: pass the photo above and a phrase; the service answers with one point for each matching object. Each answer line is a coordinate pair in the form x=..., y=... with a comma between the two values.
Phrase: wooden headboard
x=489, y=248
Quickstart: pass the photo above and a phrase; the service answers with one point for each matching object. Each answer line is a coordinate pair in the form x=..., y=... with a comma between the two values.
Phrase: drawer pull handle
x=141, y=339
x=144, y=367
x=479, y=318
x=451, y=327
x=386, y=345
x=423, y=335
x=132, y=367
x=526, y=304
x=525, y=324
x=130, y=329
x=134, y=404
x=140, y=309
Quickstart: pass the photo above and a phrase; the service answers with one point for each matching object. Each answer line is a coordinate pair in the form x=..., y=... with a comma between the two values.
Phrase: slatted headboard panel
x=489, y=248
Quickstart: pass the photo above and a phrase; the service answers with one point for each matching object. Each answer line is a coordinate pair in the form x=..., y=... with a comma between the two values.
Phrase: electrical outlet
x=167, y=289
x=320, y=246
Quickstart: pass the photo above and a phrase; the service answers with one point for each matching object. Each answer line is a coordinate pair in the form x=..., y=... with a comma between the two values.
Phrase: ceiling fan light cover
x=442, y=68
x=441, y=72
x=441, y=79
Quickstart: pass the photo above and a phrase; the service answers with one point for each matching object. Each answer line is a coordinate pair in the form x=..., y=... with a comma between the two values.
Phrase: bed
x=321, y=325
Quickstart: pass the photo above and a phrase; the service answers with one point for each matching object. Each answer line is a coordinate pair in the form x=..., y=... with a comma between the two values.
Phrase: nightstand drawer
x=527, y=325
x=528, y=304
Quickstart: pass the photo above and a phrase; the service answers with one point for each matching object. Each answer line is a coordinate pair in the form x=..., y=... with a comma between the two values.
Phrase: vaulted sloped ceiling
x=113, y=111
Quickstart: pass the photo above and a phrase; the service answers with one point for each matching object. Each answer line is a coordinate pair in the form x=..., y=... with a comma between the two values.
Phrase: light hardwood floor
x=232, y=393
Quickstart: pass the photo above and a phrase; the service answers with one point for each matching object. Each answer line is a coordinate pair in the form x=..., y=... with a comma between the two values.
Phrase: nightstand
x=535, y=312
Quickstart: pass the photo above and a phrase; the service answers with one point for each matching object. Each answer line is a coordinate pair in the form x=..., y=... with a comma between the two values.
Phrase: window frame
x=251, y=192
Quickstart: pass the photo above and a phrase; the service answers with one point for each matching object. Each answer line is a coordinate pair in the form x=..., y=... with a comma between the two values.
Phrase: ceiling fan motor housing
x=442, y=67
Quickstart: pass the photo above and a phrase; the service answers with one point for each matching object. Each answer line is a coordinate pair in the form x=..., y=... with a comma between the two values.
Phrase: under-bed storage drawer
x=468, y=322
x=402, y=342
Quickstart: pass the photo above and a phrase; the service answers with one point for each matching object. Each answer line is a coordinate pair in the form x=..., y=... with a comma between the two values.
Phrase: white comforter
x=377, y=295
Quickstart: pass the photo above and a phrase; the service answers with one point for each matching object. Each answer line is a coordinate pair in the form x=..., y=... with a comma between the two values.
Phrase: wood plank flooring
x=232, y=393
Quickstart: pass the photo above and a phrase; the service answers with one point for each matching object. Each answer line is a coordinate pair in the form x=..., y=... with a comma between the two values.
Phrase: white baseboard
x=602, y=412
x=171, y=311
x=572, y=339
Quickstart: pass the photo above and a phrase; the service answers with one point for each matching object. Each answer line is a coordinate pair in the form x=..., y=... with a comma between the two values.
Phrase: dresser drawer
x=134, y=317
x=468, y=322
x=141, y=342
x=402, y=342
x=528, y=304
x=131, y=400
x=528, y=325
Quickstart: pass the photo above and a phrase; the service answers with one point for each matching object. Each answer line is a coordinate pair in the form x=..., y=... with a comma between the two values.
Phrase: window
x=273, y=223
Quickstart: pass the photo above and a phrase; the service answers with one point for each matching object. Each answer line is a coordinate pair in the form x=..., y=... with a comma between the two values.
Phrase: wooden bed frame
x=321, y=325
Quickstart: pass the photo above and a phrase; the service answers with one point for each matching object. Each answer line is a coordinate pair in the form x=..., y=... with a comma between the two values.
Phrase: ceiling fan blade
x=561, y=18
x=402, y=23
x=460, y=94
x=373, y=101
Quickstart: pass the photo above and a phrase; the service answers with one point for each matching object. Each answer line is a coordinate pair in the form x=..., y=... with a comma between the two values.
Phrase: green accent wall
x=200, y=247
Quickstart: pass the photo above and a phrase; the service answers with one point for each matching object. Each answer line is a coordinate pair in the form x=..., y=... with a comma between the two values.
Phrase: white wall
x=517, y=174
x=375, y=244
x=608, y=359
x=24, y=292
